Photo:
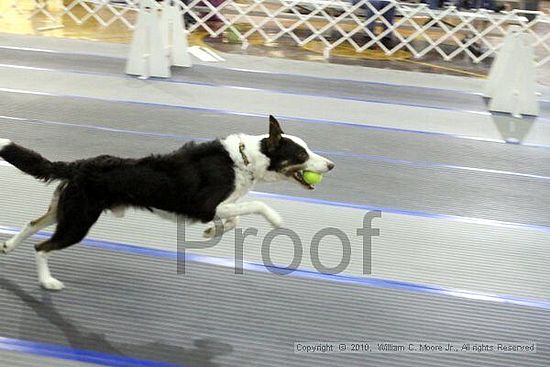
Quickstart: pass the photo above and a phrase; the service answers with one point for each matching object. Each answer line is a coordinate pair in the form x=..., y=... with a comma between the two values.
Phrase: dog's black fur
x=197, y=182
x=190, y=182
x=286, y=153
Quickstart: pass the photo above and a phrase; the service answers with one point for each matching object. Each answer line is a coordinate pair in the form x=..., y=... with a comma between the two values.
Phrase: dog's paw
x=209, y=232
x=52, y=284
x=228, y=225
x=275, y=219
x=6, y=247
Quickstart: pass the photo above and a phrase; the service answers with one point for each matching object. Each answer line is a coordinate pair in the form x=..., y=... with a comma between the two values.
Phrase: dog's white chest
x=244, y=182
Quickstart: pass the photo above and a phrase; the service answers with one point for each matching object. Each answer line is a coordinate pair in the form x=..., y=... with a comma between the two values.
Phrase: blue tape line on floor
x=416, y=164
x=412, y=213
x=266, y=72
x=276, y=91
x=77, y=355
x=309, y=274
x=236, y=113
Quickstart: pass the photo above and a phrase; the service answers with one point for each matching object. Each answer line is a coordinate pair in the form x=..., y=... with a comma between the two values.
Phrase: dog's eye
x=303, y=156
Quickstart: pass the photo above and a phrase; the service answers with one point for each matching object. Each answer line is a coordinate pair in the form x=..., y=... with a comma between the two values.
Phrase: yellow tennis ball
x=312, y=178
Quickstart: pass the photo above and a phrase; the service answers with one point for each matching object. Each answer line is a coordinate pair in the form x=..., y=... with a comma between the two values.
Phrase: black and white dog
x=198, y=182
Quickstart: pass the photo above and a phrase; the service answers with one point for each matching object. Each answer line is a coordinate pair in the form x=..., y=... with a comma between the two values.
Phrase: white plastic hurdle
x=159, y=41
x=512, y=82
x=175, y=35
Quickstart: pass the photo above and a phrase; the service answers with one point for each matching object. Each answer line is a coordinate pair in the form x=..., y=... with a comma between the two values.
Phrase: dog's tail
x=33, y=163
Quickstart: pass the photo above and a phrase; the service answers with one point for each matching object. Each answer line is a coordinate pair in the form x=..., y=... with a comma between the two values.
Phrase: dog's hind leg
x=75, y=218
x=45, y=278
x=30, y=229
x=34, y=226
x=66, y=234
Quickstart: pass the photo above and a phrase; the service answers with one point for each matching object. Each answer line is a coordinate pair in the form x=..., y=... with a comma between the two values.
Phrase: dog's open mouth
x=299, y=176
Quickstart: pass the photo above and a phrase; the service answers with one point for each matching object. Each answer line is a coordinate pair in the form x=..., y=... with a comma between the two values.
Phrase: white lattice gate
x=416, y=28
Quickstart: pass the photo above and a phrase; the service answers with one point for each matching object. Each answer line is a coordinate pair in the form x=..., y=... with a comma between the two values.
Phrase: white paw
x=7, y=246
x=52, y=284
x=274, y=218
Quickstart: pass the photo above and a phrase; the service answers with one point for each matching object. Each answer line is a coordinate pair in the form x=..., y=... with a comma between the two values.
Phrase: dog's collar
x=246, y=161
x=243, y=155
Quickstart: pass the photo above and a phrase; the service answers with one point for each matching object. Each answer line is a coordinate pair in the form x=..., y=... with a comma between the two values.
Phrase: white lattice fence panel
x=416, y=28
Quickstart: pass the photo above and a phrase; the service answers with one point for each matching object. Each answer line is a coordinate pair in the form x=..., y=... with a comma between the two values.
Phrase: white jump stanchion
x=148, y=57
x=501, y=62
x=175, y=36
x=512, y=82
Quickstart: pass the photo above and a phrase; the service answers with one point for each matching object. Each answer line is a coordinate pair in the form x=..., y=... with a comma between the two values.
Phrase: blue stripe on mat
x=309, y=274
x=373, y=158
x=277, y=91
x=266, y=72
x=237, y=113
x=412, y=213
x=76, y=355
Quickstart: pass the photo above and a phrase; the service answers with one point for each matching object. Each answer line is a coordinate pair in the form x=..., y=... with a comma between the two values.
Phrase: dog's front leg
x=226, y=211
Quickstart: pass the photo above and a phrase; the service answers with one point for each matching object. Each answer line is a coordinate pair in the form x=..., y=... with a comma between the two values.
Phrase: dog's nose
x=330, y=166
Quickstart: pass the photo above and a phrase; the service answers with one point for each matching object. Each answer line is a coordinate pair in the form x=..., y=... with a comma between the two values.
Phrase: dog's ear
x=275, y=132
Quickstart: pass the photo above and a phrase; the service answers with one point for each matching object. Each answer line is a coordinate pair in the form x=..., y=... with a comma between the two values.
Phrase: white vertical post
x=148, y=55
x=175, y=35
x=502, y=61
x=512, y=82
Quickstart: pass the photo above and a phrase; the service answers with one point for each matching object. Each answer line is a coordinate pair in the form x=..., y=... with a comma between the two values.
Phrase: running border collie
x=198, y=182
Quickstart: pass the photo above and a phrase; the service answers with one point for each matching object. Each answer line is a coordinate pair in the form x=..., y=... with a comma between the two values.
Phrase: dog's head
x=290, y=156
